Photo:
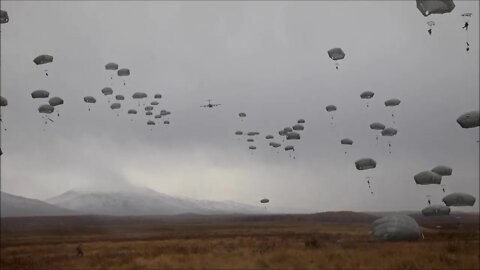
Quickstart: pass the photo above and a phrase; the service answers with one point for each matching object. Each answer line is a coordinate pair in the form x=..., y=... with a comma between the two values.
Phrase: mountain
x=16, y=206
x=138, y=201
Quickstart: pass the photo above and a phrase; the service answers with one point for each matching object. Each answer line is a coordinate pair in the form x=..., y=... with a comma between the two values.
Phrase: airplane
x=210, y=105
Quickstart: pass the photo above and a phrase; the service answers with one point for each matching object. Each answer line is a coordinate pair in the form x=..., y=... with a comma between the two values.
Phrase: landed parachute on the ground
x=427, y=178
x=365, y=164
x=40, y=94
x=396, y=228
x=469, y=119
x=442, y=170
x=459, y=199
x=436, y=210
x=428, y=7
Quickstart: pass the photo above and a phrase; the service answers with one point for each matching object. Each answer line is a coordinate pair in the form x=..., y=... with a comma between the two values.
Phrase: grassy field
x=225, y=243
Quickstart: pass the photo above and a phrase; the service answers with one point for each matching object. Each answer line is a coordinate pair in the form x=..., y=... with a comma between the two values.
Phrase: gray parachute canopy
x=336, y=54
x=427, y=7
x=132, y=111
x=251, y=147
x=55, y=101
x=301, y=121
x=166, y=122
x=442, y=170
x=149, y=113
x=123, y=72
x=111, y=66
x=427, y=178
x=275, y=145
x=298, y=127
x=331, y=108
x=264, y=200
x=287, y=130
x=4, y=16
x=459, y=199
x=139, y=95
x=149, y=108
x=119, y=97
x=43, y=59
x=289, y=147
x=157, y=116
x=107, y=91
x=238, y=132
x=436, y=210
x=89, y=99
x=396, y=228
x=242, y=114
x=3, y=101
x=163, y=112
x=40, y=94
x=154, y=103
x=389, y=132
x=115, y=106
x=365, y=164
x=392, y=102
x=346, y=141
x=281, y=133
x=377, y=126
x=293, y=136
x=269, y=137
x=250, y=140
x=157, y=96
x=150, y=123
x=367, y=95
x=46, y=108
x=469, y=119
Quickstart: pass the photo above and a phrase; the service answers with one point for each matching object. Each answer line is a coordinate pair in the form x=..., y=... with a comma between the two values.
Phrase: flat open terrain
x=229, y=242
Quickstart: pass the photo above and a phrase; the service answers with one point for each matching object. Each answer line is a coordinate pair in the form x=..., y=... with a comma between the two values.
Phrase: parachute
x=250, y=140
x=428, y=7
x=119, y=97
x=132, y=111
x=377, y=126
x=43, y=59
x=46, y=108
x=107, y=91
x=139, y=95
x=158, y=116
x=149, y=108
x=157, y=96
x=166, y=122
x=396, y=228
x=123, y=72
x=55, y=101
x=427, y=178
x=149, y=113
x=365, y=164
x=436, y=210
x=264, y=200
x=389, y=132
x=289, y=148
x=111, y=66
x=3, y=101
x=346, y=141
x=301, y=121
x=336, y=54
x=442, y=170
x=298, y=127
x=459, y=199
x=367, y=95
x=251, y=133
x=392, y=102
x=238, y=132
x=154, y=103
x=4, y=17
x=115, y=106
x=275, y=145
x=269, y=137
x=150, y=123
x=89, y=99
x=251, y=147
x=281, y=133
x=293, y=136
x=469, y=119
x=331, y=108
x=40, y=94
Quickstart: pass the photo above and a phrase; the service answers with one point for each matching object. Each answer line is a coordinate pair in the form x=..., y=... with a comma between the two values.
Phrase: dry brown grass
x=230, y=245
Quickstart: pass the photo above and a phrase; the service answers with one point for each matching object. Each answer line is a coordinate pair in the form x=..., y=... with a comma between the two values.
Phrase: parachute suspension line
x=46, y=72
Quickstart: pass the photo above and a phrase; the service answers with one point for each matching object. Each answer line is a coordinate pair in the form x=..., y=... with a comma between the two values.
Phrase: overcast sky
x=268, y=59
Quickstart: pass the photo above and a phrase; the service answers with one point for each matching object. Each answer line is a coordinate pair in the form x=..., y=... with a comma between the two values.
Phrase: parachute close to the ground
x=428, y=7
x=396, y=228
x=459, y=199
x=436, y=210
